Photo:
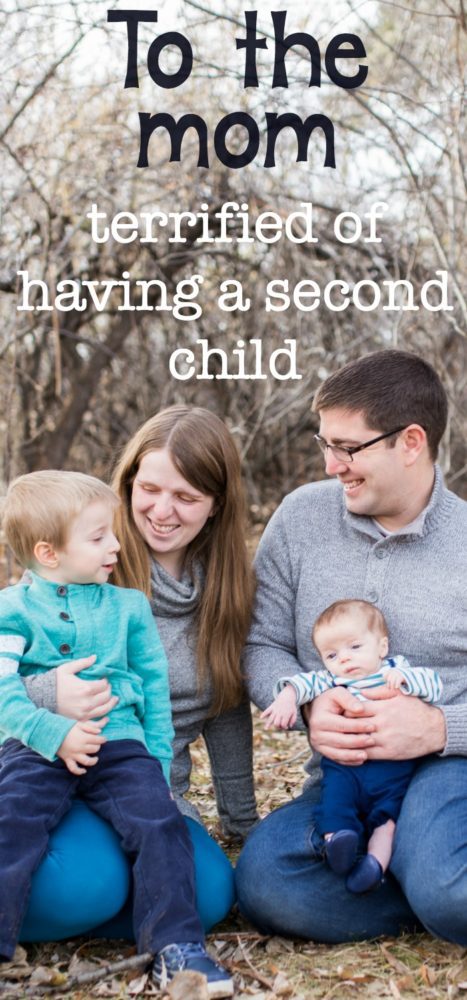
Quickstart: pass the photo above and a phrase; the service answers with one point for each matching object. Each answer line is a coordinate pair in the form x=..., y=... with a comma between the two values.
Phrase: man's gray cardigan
x=314, y=552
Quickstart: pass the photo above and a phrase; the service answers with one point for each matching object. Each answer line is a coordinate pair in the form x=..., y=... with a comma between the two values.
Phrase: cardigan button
x=62, y=591
x=64, y=648
x=64, y=616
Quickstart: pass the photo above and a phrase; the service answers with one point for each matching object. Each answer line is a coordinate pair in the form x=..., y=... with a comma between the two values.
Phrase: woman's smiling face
x=167, y=510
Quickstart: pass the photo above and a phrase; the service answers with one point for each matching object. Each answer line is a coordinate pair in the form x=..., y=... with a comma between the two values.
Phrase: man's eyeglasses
x=346, y=455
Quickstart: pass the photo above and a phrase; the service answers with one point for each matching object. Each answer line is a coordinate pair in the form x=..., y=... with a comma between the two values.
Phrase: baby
x=352, y=640
x=59, y=525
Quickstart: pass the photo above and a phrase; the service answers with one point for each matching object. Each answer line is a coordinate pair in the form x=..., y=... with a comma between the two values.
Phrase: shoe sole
x=218, y=990
x=215, y=990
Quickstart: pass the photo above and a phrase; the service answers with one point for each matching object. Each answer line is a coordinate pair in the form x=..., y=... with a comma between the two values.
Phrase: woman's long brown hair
x=203, y=451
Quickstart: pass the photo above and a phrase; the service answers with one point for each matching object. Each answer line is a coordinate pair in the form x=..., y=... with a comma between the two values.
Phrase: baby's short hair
x=374, y=617
x=40, y=506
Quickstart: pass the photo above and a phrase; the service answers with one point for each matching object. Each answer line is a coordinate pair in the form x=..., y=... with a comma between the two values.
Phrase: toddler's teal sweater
x=44, y=624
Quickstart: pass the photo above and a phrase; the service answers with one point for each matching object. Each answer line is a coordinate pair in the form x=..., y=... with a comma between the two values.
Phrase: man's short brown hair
x=389, y=388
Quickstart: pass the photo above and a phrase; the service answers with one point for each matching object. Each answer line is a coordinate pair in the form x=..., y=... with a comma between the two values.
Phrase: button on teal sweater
x=43, y=624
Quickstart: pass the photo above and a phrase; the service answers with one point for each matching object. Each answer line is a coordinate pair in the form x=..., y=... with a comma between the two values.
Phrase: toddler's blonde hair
x=40, y=506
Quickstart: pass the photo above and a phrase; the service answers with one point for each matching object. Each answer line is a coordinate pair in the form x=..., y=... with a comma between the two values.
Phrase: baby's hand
x=394, y=679
x=283, y=711
x=81, y=745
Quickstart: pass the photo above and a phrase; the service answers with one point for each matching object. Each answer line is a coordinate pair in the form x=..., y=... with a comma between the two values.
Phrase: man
x=388, y=531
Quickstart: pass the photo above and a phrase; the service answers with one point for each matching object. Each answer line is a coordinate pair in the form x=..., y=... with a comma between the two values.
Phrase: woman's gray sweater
x=228, y=737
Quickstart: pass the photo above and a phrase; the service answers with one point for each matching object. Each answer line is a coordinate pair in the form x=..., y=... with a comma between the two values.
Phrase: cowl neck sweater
x=175, y=605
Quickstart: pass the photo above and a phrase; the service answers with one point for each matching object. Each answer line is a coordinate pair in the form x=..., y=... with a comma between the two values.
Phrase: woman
x=181, y=527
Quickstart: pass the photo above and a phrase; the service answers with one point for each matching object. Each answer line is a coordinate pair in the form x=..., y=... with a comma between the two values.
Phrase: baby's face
x=348, y=648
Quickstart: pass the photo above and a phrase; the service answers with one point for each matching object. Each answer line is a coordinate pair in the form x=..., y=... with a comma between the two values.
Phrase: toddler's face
x=90, y=553
x=348, y=648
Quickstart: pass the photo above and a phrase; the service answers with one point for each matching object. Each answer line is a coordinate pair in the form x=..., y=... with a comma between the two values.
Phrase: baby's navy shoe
x=341, y=851
x=191, y=957
x=366, y=875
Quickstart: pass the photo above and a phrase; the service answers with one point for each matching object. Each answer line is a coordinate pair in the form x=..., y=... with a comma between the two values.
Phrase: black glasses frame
x=339, y=450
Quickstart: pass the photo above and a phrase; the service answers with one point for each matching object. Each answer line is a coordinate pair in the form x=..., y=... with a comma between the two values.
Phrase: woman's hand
x=80, y=699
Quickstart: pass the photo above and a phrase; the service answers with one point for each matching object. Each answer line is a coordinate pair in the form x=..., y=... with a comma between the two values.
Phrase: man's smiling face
x=375, y=482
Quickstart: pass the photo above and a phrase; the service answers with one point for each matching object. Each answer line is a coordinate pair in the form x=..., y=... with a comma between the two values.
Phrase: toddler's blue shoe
x=191, y=957
x=341, y=851
x=367, y=875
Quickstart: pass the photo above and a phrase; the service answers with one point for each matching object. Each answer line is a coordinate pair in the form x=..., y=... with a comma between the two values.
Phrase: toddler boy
x=352, y=640
x=59, y=525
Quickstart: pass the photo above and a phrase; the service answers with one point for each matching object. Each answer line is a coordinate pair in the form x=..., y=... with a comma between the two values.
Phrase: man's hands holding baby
x=388, y=726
